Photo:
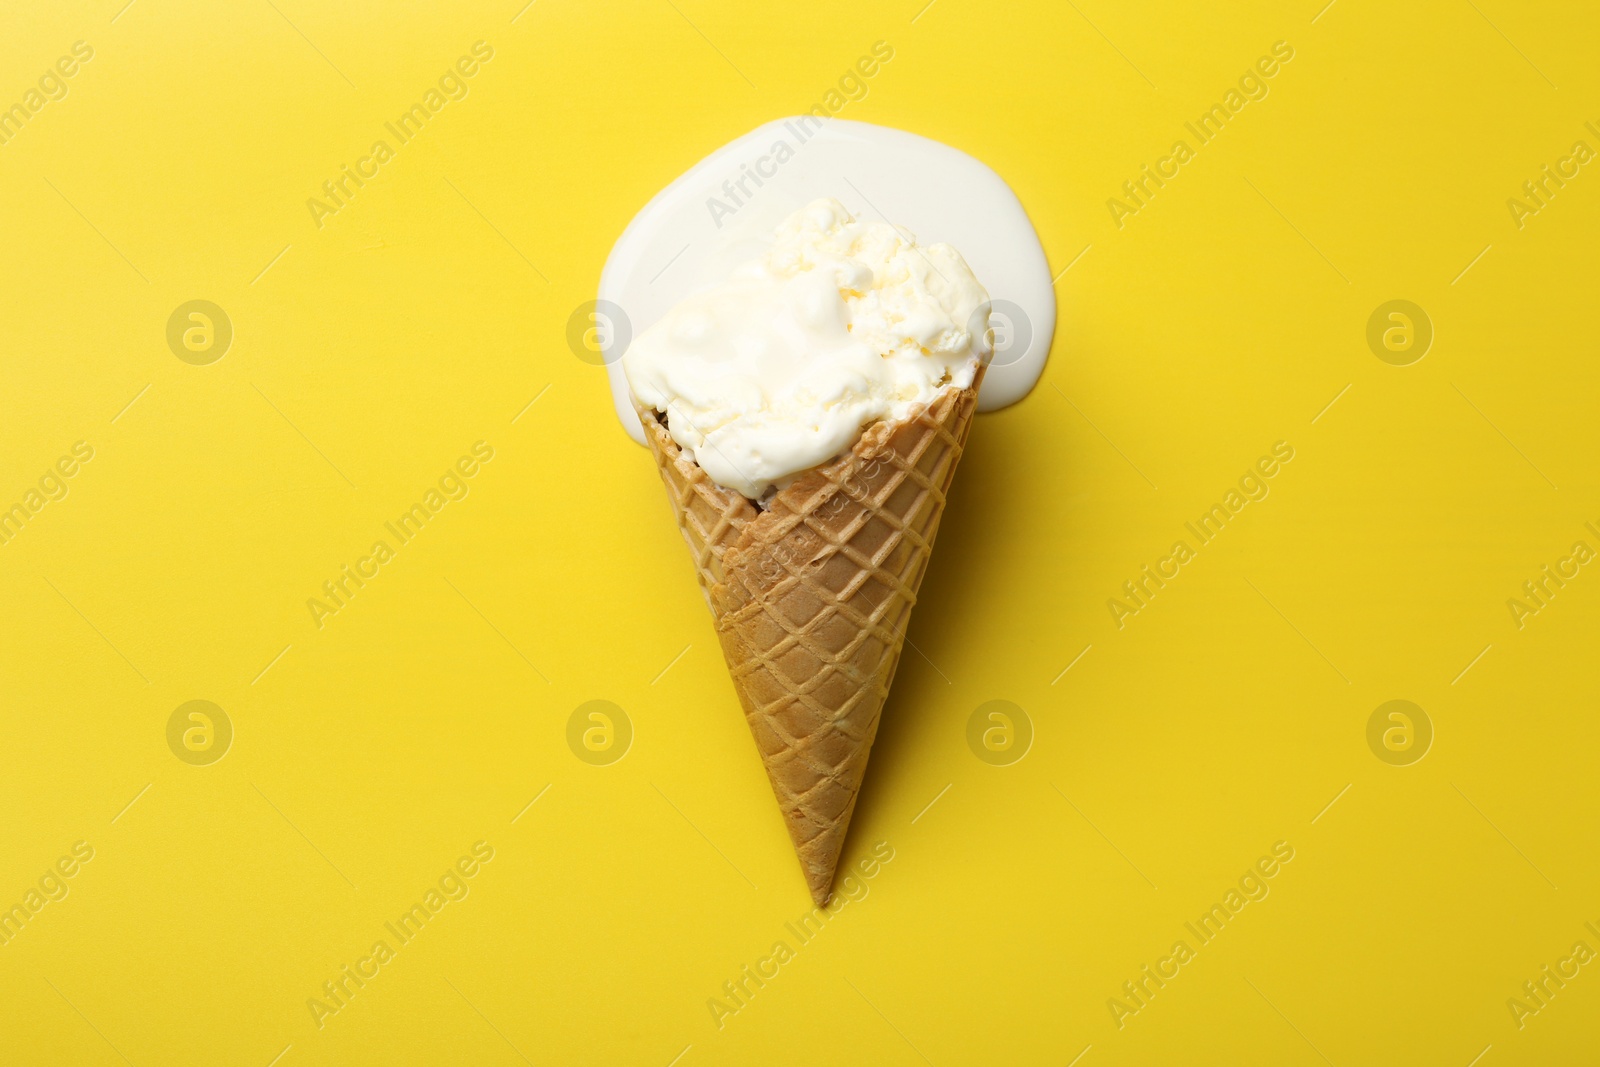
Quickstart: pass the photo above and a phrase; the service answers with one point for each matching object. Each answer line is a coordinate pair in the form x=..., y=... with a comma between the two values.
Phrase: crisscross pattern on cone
x=812, y=597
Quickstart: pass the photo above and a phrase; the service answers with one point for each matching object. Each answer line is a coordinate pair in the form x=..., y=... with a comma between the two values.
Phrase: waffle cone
x=811, y=600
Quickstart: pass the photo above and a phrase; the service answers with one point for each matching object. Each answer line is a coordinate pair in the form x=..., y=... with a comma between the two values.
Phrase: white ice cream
x=779, y=369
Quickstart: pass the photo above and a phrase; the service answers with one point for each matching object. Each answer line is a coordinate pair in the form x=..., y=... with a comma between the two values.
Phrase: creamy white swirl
x=778, y=369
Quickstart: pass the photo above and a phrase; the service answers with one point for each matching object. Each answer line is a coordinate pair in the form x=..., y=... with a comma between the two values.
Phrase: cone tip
x=821, y=886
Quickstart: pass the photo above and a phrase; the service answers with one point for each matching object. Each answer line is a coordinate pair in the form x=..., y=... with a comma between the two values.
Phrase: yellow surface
x=369, y=755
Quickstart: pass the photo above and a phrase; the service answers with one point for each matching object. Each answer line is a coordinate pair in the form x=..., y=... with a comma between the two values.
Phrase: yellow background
x=371, y=353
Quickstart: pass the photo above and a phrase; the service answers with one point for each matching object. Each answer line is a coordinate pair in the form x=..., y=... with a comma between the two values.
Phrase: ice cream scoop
x=778, y=369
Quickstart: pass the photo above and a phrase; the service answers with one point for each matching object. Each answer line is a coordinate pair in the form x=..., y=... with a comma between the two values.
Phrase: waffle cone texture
x=811, y=600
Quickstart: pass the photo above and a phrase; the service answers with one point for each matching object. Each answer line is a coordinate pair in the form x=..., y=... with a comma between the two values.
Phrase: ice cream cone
x=811, y=599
